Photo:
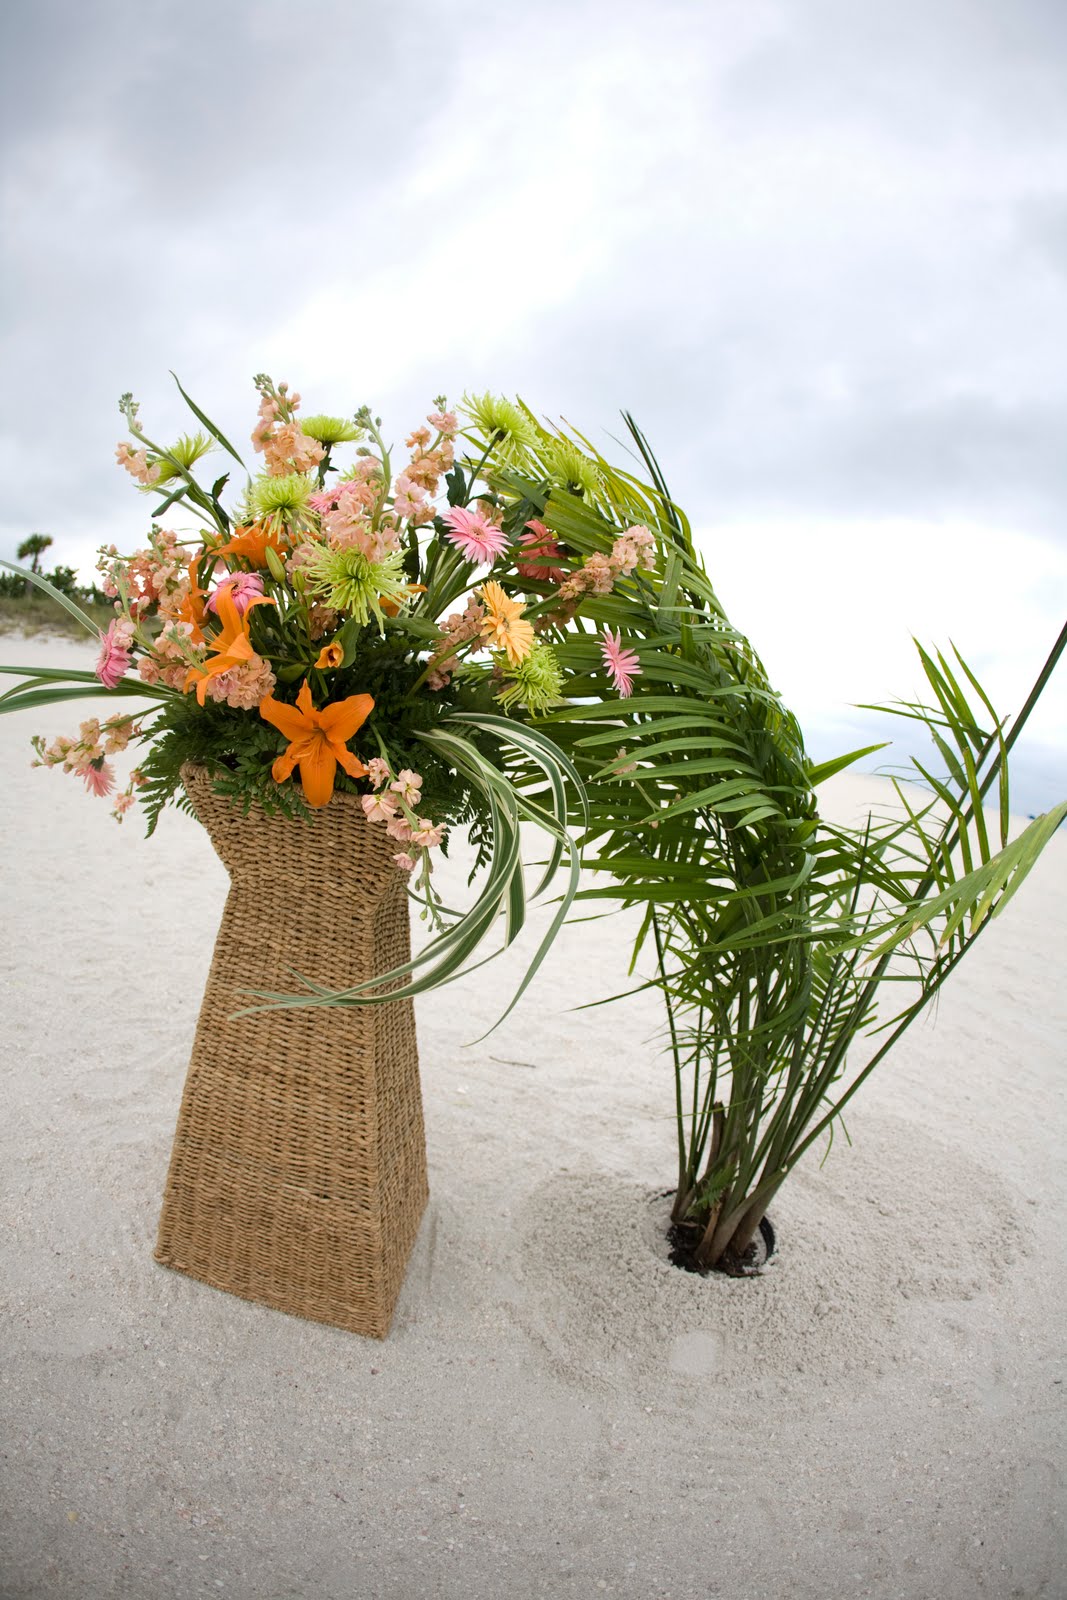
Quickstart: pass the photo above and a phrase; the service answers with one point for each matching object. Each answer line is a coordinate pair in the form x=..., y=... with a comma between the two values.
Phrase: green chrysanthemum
x=570, y=468
x=330, y=430
x=534, y=683
x=501, y=423
x=186, y=453
x=348, y=581
x=281, y=500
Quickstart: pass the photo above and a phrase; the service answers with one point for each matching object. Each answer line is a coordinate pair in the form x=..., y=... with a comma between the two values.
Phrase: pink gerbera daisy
x=242, y=588
x=475, y=535
x=99, y=777
x=623, y=665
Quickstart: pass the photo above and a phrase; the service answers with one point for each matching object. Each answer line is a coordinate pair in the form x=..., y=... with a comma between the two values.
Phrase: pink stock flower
x=99, y=777
x=136, y=463
x=242, y=587
x=475, y=535
x=408, y=497
x=114, y=659
x=407, y=785
x=405, y=863
x=398, y=828
x=427, y=834
x=443, y=421
x=377, y=771
x=623, y=665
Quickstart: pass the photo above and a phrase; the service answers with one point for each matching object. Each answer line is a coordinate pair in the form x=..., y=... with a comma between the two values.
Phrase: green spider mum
x=351, y=582
x=502, y=424
x=330, y=430
x=281, y=500
x=570, y=468
x=185, y=454
x=535, y=682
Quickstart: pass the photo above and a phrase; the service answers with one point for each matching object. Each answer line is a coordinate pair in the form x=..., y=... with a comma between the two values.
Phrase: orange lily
x=330, y=656
x=192, y=607
x=230, y=647
x=250, y=544
x=317, y=740
x=392, y=607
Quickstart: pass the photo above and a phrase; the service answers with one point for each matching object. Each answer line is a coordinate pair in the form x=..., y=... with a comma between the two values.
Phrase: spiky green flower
x=535, y=682
x=570, y=468
x=281, y=500
x=348, y=581
x=184, y=454
x=330, y=430
x=502, y=424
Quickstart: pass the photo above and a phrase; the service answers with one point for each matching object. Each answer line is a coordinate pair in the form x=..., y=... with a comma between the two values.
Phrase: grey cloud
x=831, y=237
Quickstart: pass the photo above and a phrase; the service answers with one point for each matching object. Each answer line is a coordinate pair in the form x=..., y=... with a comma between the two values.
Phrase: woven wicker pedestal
x=298, y=1174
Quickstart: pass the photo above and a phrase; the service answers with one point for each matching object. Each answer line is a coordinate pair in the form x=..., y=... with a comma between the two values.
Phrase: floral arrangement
x=354, y=619
x=503, y=627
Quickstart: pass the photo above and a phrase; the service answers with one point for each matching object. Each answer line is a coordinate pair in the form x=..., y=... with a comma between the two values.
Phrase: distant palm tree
x=34, y=546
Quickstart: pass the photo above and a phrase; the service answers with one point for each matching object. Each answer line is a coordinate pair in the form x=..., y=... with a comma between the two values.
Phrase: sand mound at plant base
x=857, y=1249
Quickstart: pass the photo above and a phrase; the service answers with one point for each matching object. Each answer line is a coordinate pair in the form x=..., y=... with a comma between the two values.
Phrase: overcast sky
x=818, y=247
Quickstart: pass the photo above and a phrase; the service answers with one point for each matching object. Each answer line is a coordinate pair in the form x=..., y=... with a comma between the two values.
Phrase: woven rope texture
x=298, y=1173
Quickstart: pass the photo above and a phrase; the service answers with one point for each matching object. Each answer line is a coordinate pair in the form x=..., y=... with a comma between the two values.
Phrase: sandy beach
x=557, y=1411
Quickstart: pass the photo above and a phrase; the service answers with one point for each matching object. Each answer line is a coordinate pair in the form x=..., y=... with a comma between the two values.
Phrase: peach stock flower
x=317, y=740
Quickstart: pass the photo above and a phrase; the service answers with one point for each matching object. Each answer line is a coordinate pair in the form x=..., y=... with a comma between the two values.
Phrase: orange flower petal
x=341, y=720
x=330, y=656
x=229, y=616
x=287, y=719
x=283, y=766
x=352, y=764
x=317, y=770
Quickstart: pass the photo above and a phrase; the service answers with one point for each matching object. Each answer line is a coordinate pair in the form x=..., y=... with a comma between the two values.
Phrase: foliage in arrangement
x=504, y=627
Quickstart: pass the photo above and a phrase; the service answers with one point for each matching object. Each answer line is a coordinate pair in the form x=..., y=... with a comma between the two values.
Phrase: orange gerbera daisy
x=317, y=740
x=251, y=544
x=503, y=625
x=230, y=646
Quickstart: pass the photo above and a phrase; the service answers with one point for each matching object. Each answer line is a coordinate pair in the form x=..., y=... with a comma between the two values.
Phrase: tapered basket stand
x=298, y=1173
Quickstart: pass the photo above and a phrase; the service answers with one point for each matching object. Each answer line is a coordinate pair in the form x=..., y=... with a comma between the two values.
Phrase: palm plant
x=34, y=547
x=772, y=932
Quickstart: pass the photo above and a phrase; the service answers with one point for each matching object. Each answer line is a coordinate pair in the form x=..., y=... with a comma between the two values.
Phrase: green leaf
x=208, y=424
x=818, y=774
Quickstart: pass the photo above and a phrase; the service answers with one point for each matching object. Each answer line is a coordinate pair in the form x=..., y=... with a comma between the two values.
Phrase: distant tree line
x=65, y=579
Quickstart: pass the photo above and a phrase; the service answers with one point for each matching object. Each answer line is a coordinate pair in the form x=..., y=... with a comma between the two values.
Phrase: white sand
x=557, y=1412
